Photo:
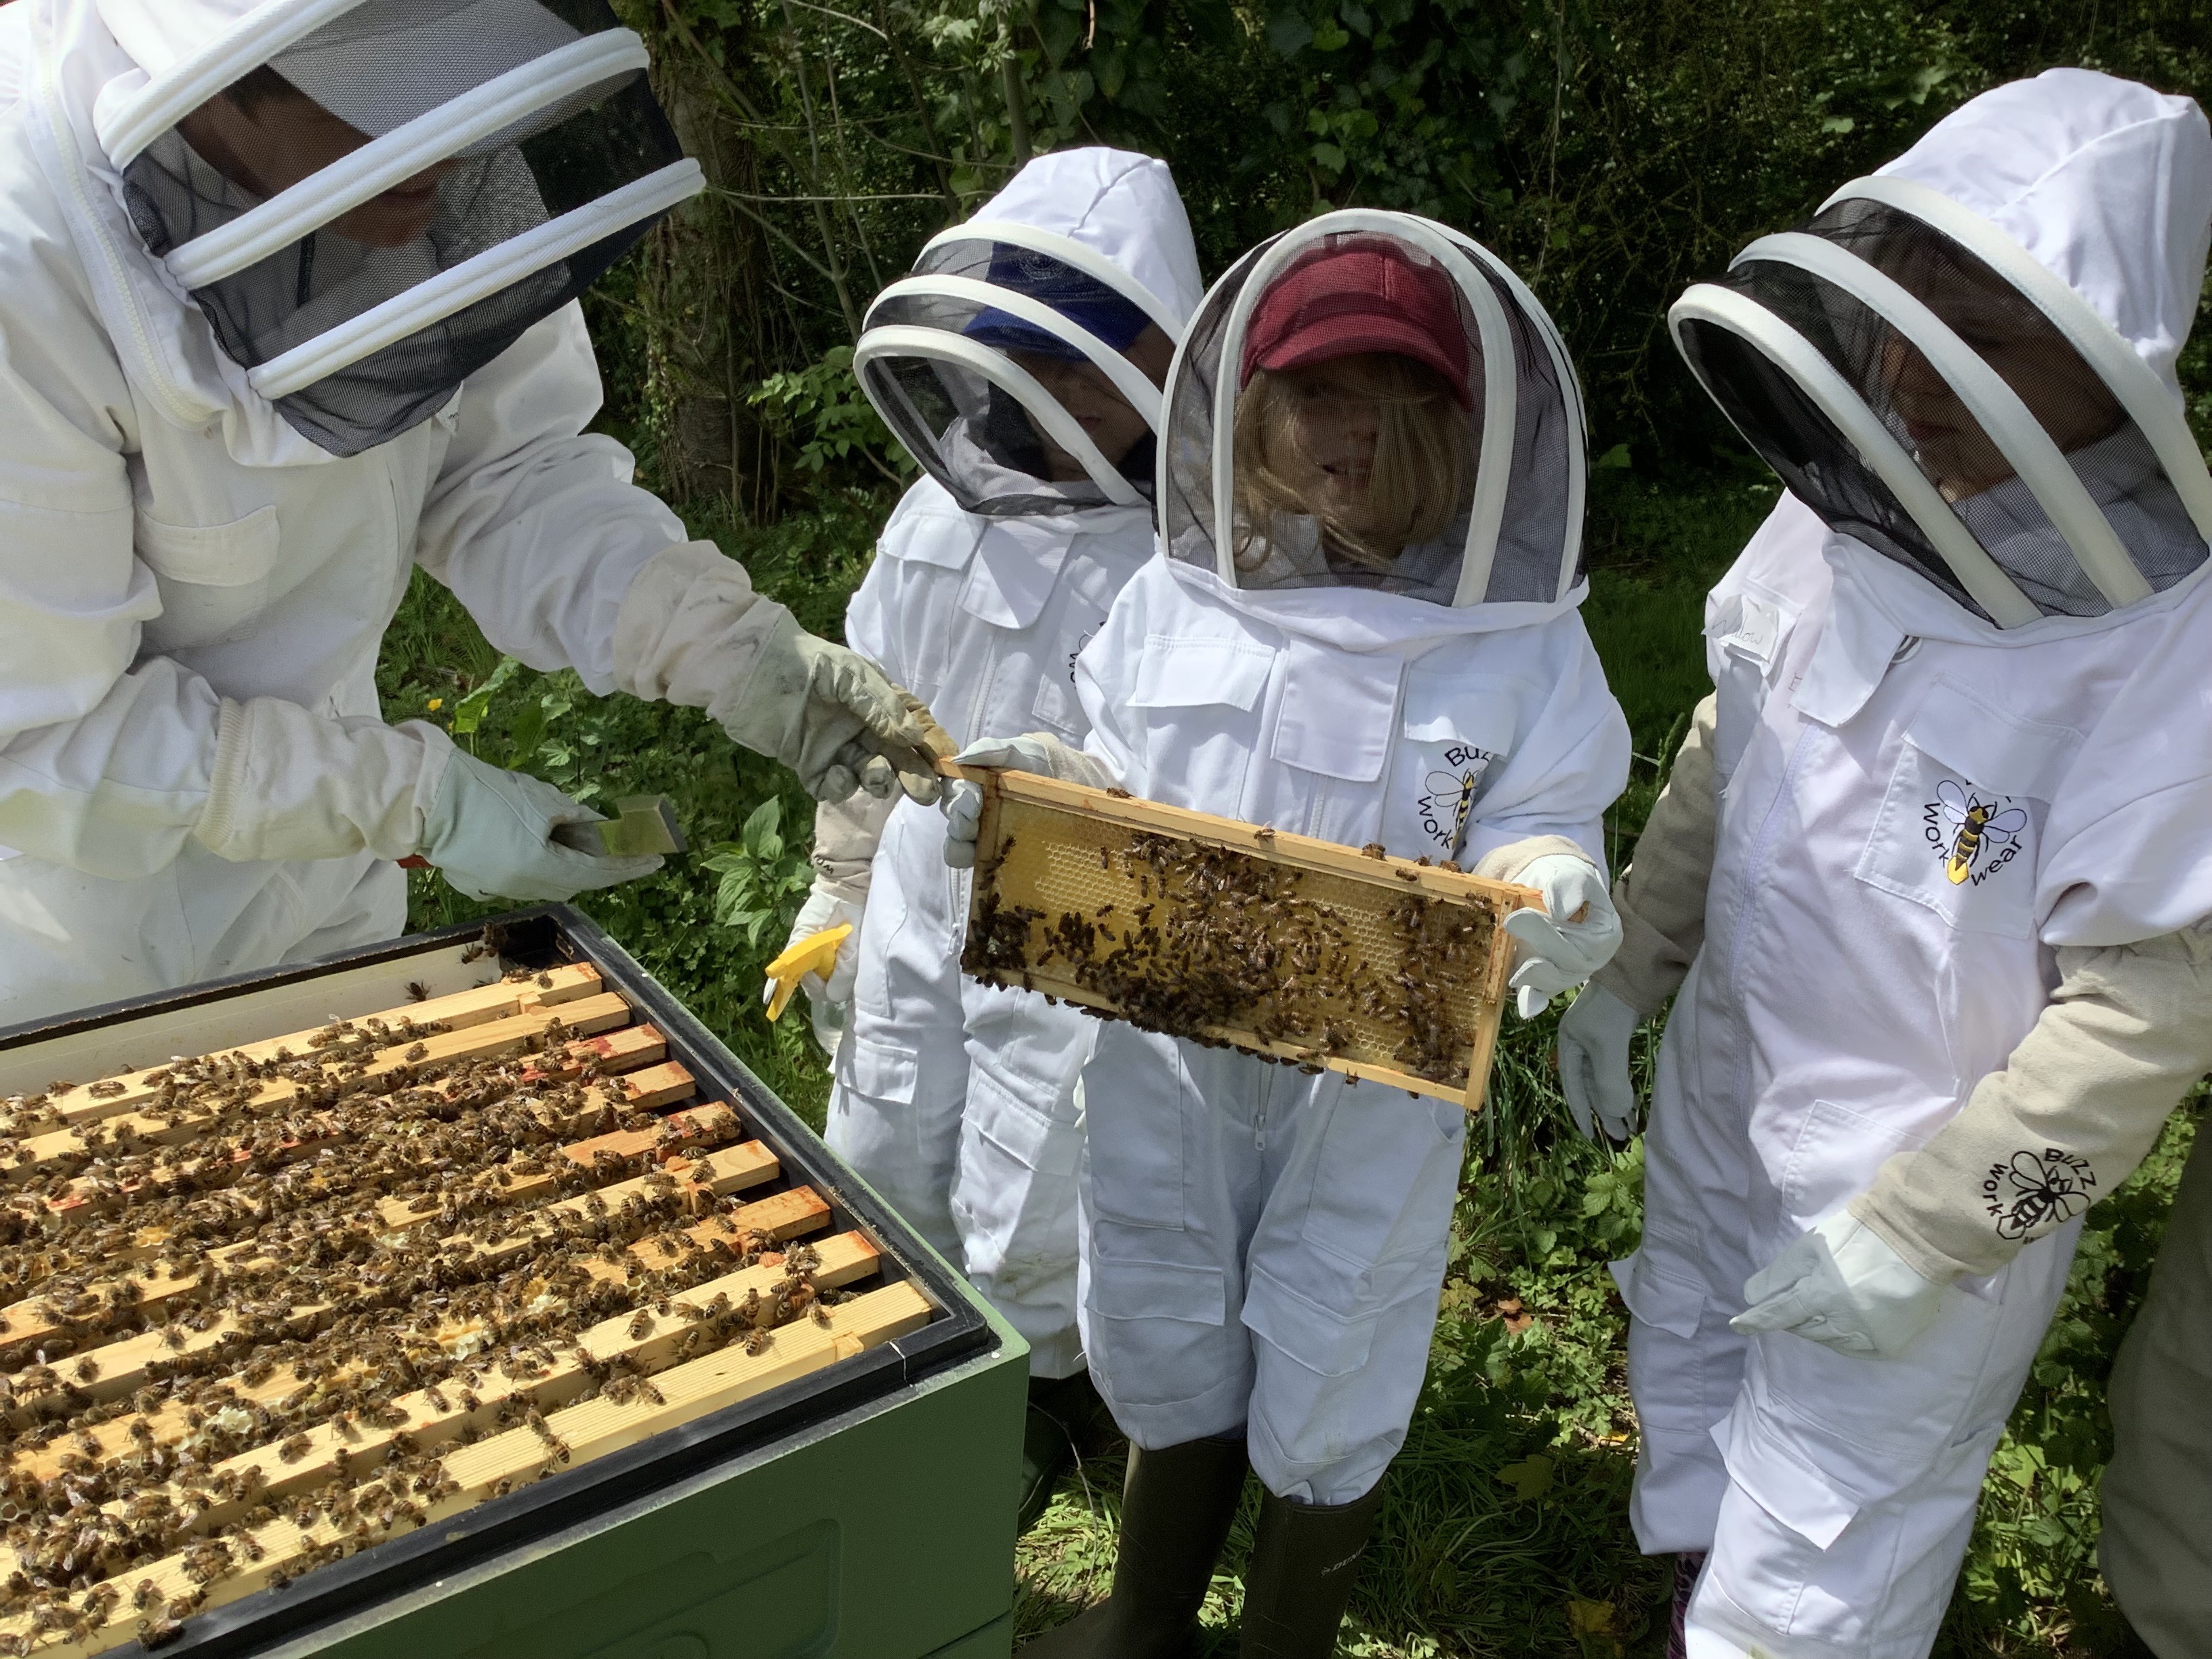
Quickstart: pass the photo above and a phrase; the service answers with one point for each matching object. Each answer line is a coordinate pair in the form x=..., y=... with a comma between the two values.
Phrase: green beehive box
x=865, y=1509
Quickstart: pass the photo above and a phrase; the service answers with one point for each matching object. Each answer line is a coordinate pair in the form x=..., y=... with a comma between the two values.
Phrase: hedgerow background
x=1615, y=150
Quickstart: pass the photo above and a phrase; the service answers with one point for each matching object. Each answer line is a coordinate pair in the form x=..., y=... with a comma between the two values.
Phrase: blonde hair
x=1420, y=460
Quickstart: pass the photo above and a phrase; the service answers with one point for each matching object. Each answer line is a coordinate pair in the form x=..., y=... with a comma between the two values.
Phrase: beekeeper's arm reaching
x=537, y=528
x=1661, y=897
x=2077, y=1105
x=108, y=763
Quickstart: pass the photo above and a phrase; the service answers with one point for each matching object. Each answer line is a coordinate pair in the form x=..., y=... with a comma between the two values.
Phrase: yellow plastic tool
x=815, y=954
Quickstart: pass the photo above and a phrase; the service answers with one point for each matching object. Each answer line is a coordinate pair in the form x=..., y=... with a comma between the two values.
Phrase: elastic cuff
x=1646, y=969
x=1507, y=862
x=848, y=890
x=1932, y=1265
x=216, y=825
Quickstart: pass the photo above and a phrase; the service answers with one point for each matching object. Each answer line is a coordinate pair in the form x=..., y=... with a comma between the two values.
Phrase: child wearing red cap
x=1362, y=626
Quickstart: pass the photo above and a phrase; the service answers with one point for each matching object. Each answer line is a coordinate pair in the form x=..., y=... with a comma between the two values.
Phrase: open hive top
x=265, y=1307
x=1294, y=949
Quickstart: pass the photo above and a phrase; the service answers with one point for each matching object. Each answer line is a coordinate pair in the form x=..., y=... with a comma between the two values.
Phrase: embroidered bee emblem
x=1448, y=794
x=1974, y=836
x=2033, y=1193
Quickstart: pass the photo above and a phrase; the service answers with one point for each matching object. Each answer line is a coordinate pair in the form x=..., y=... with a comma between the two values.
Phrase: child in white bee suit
x=1020, y=364
x=1363, y=626
x=1932, y=872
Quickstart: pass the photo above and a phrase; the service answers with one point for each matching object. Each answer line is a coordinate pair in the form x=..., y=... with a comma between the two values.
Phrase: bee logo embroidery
x=1089, y=634
x=1974, y=836
x=2033, y=1193
x=1449, y=795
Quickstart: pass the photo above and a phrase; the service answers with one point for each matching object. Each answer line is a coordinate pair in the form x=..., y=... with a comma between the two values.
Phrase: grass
x=1505, y=1530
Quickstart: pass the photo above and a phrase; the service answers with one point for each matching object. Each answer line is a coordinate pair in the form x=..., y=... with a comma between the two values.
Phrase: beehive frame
x=1053, y=849
x=597, y=1046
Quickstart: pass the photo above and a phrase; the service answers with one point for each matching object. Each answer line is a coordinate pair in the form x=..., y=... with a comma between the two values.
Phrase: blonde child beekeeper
x=1932, y=874
x=1020, y=363
x=1364, y=627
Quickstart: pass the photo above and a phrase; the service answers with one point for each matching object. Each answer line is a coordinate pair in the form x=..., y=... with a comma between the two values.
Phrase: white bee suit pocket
x=1176, y=1314
x=1961, y=822
x=1835, y=1152
x=1136, y=1091
x=1454, y=738
x=1016, y=566
x=1338, y=710
x=214, y=578
x=1201, y=694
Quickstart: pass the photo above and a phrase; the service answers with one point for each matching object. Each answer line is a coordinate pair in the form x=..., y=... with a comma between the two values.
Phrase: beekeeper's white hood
x=2040, y=253
x=1074, y=259
x=289, y=318
x=1511, y=556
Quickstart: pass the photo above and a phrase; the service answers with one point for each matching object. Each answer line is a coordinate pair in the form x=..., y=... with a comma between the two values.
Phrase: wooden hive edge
x=489, y=1469
x=1281, y=847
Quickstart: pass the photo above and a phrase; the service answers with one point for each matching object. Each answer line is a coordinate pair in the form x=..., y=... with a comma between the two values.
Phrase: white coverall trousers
x=957, y=1103
x=1836, y=1494
x=1265, y=1249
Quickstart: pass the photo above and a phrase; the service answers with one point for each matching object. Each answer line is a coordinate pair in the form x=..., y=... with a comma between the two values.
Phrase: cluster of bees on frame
x=310, y=1309
x=1205, y=939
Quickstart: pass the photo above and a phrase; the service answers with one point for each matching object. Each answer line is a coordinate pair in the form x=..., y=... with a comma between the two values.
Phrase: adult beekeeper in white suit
x=1020, y=363
x=287, y=299
x=1933, y=870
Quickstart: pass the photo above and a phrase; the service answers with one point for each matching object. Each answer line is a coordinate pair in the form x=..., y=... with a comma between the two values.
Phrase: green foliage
x=821, y=408
x=764, y=881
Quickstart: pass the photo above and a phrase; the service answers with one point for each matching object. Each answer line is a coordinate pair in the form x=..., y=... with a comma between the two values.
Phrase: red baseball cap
x=1369, y=296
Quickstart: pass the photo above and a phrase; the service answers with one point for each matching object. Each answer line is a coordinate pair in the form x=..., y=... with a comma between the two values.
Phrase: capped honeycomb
x=1290, y=948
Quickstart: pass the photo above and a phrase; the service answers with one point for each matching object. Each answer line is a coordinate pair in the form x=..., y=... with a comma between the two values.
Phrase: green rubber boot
x=1064, y=1422
x=1176, y=1506
x=1303, y=1562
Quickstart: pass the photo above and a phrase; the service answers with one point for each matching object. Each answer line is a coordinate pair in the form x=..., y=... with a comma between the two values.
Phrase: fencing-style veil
x=1490, y=475
x=1933, y=389
x=494, y=157
x=961, y=358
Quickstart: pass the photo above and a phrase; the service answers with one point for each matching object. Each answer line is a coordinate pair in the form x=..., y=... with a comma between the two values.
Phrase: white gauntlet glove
x=1842, y=1285
x=1573, y=936
x=1593, y=1037
x=1036, y=751
x=490, y=834
x=692, y=631
x=291, y=785
x=828, y=1001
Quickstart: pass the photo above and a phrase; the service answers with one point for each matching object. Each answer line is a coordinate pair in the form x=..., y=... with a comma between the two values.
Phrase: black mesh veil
x=1511, y=528
x=1025, y=379
x=2023, y=446
x=517, y=184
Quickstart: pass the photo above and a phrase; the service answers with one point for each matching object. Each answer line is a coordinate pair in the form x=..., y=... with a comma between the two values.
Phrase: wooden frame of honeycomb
x=1294, y=949
x=273, y=1305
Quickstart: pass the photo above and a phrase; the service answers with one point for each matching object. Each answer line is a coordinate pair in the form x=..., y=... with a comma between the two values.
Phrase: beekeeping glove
x=692, y=631
x=1593, y=1035
x=490, y=834
x=1035, y=752
x=1843, y=1287
x=829, y=999
x=1571, y=938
